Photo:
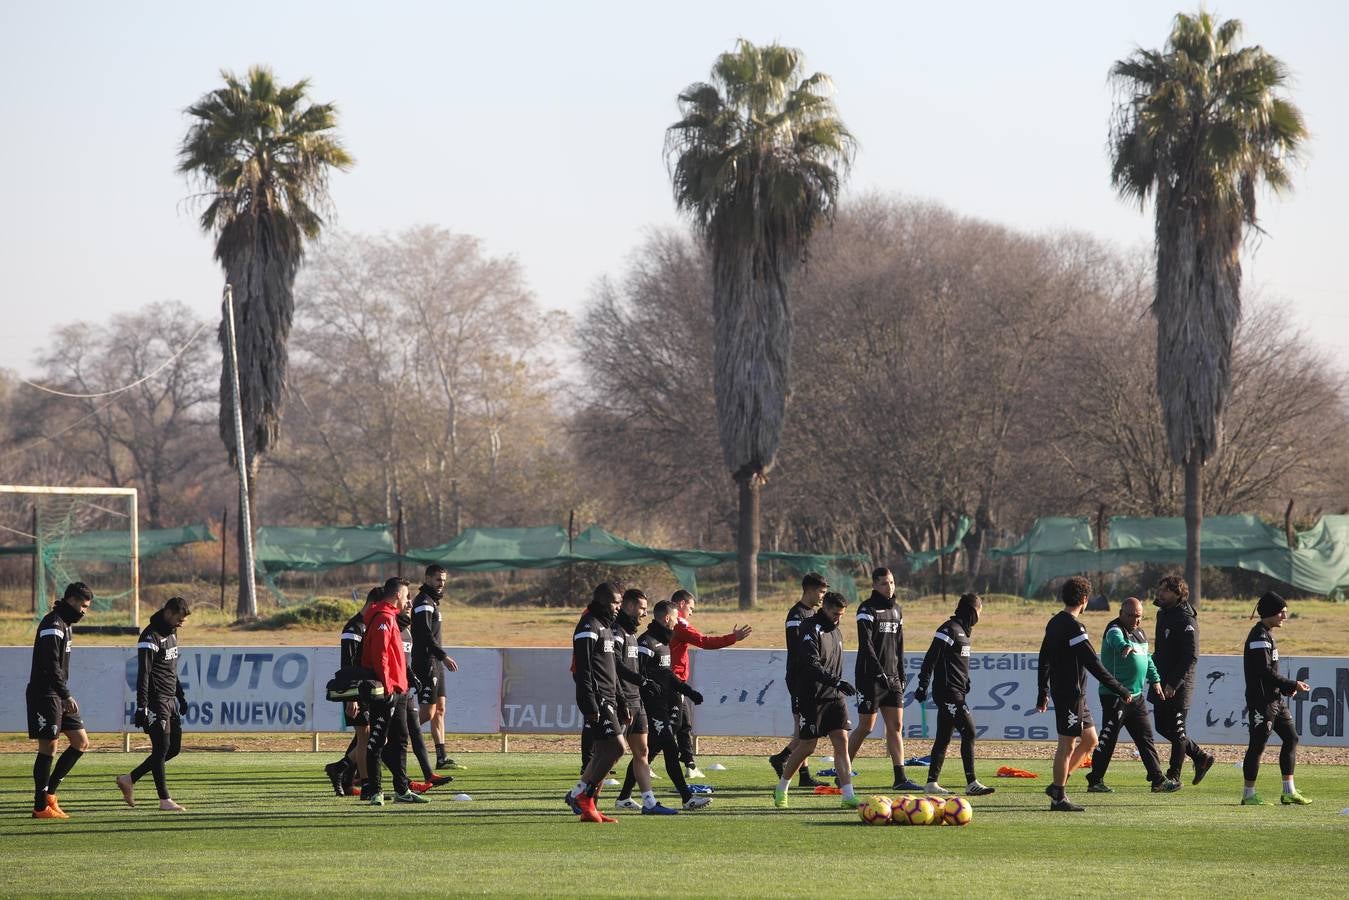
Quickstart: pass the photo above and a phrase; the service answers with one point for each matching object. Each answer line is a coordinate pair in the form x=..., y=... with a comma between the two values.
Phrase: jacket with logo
x=157, y=665
x=1066, y=655
x=593, y=664
x=947, y=662
x=662, y=686
x=1265, y=685
x=626, y=665
x=820, y=664
x=51, y=654
x=1176, y=644
x=382, y=647
x=880, y=642
x=796, y=616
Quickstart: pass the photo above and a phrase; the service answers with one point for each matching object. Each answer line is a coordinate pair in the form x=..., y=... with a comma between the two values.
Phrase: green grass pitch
x=266, y=824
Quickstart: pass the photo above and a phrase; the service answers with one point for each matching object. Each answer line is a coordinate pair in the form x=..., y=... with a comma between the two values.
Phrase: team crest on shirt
x=665, y=660
x=171, y=653
x=608, y=645
x=1274, y=654
x=889, y=628
x=632, y=651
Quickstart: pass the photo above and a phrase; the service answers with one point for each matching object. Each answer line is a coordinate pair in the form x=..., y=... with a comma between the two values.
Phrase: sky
x=538, y=127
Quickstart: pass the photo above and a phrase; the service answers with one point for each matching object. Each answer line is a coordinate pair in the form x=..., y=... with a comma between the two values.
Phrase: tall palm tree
x=261, y=153
x=756, y=162
x=1198, y=127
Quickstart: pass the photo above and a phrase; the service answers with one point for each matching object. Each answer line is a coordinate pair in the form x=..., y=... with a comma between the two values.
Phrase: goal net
x=75, y=534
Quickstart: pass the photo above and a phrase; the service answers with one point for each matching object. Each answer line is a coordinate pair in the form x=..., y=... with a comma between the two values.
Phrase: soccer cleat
x=695, y=772
x=701, y=789
x=777, y=762
x=128, y=788
x=444, y=762
x=626, y=803
x=932, y=788
x=1254, y=800
x=828, y=773
x=824, y=789
x=168, y=805
x=573, y=803
x=779, y=798
x=1165, y=786
x=409, y=797
x=659, y=810
x=1099, y=787
x=53, y=804
x=1288, y=798
x=1065, y=805
x=908, y=784
x=807, y=781
x=1202, y=766
x=48, y=813
x=437, y=780
x=588, y=811
x=850, y=802
x=697, y=802
x=419, y=787
x=376, y=799
x=335, y=771
x=977, y=789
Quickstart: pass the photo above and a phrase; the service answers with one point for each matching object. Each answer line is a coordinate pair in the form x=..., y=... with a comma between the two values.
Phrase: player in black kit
x=813, y=589
x=1175, y=653
x=52, y=711
x=429, y=659
x=414, y=713
x=948, y=663
x=819, y=679
x=879, y=674
x=595, y=672
x=159, y=700
x=1066, y=655
x=1265, y=708
x=350, y=769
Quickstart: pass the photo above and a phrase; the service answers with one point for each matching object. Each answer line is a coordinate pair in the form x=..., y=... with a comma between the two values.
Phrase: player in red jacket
x=685, y=635
x=382, y=653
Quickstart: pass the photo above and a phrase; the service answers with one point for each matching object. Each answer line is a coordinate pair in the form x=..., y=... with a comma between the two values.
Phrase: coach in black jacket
x=1175, y=653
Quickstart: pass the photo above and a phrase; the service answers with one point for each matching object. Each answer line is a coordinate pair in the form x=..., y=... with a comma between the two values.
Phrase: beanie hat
x=1270, y=604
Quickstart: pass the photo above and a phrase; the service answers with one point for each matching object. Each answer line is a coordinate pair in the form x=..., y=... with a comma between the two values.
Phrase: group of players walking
x=635, y=698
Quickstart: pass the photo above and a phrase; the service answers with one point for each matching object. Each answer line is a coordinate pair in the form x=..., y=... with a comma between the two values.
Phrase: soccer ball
x=875, y=811
x=957, y=811
x=920, y=811
x=938, y=804
x=897, y=807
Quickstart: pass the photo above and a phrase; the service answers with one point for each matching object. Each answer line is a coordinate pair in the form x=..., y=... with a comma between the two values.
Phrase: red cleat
x=419, y=787
x=437, y=780
x=588, y=811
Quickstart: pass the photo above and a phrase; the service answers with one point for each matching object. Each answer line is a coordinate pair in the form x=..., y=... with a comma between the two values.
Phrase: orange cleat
x=53, y=804
x=49, y=813
x=588, y=811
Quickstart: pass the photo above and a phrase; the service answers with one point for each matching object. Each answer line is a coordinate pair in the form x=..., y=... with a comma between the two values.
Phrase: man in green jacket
x=1124, y=652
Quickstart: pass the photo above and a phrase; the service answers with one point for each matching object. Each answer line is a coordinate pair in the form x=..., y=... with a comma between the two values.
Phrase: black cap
x=1270, y=604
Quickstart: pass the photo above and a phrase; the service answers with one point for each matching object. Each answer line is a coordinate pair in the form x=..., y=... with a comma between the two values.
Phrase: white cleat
x=695, y=772
x=934, y=788
x=626, y=803
x=697, y=801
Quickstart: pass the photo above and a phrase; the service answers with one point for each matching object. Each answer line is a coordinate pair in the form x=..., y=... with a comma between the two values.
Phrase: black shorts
x=608, y=725
x=1260, y=720
x=824, y=717
x=868, y=702
x=361, y=718
x=640, y=723
x=433, y=685
x=1072, y=715
x=46, y=718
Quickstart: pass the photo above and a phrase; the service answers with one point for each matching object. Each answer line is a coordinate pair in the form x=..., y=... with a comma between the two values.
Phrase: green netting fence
x=1317, y=562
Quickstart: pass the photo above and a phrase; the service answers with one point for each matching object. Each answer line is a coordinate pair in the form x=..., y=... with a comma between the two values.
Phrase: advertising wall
x=529, y=691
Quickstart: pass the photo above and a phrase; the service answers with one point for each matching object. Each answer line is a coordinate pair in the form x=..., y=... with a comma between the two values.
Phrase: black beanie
x=1270, y=604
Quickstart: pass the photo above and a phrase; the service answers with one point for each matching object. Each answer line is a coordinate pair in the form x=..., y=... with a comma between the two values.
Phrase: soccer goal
x=87, y=534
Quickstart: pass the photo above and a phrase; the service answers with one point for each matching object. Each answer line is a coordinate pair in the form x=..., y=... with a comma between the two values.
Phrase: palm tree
x=756, y=162
x=1198, y=127
x=261, y=154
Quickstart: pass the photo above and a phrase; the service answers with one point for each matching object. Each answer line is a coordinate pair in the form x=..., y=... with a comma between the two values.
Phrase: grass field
x=264, y=823
x=1317, y=627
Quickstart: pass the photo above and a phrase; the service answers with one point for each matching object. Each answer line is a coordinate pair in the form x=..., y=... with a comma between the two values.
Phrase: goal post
x=88, y=534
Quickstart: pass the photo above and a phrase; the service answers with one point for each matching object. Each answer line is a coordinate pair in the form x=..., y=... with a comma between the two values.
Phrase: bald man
x=1124, y=652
